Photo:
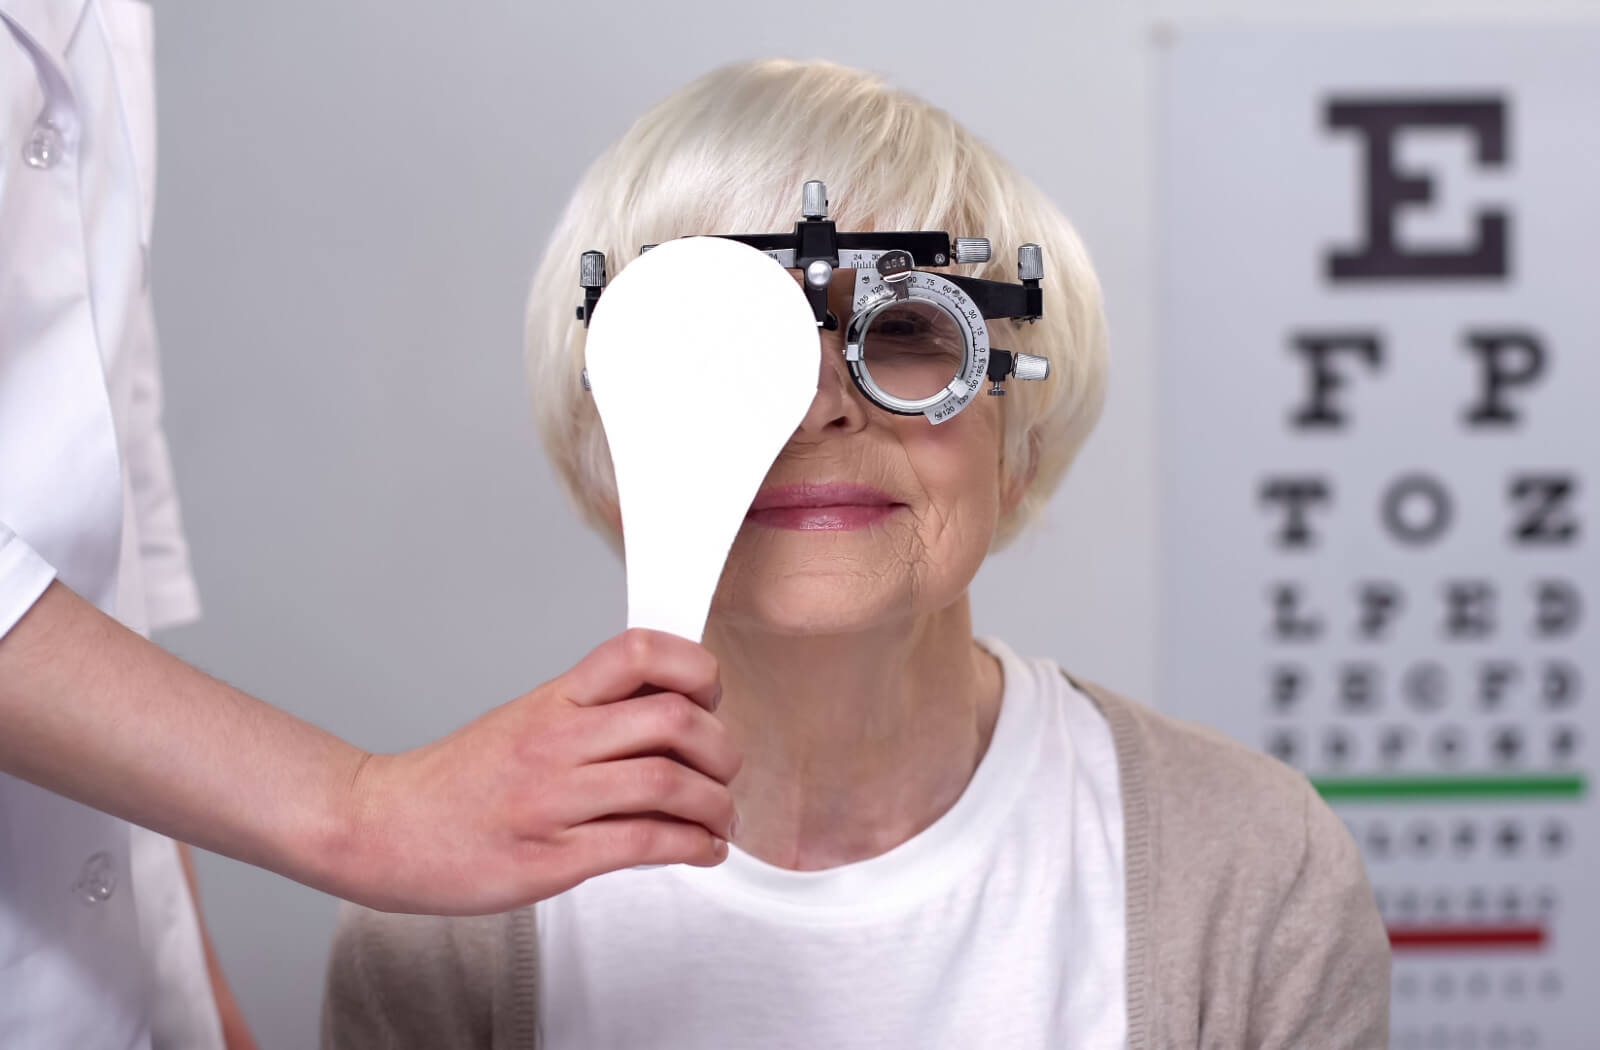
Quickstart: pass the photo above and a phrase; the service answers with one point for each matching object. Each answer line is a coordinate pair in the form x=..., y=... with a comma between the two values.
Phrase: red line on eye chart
x=1456, y=938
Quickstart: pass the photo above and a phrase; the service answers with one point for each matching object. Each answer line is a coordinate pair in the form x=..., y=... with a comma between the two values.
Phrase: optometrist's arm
x=565, y=782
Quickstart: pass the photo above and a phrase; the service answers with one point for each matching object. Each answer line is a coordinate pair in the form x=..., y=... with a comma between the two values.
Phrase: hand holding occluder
x=616, y=763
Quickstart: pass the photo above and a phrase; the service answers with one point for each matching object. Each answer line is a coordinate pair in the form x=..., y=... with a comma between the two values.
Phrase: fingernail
x=716, y=698
x=647, y=867
x=720, y=846
x=733, y=825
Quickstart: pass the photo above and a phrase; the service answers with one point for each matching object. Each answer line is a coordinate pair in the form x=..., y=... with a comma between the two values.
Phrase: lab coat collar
x=49, y=24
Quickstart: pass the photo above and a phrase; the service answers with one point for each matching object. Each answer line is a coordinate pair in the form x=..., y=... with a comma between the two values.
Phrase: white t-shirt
x=1000, y=925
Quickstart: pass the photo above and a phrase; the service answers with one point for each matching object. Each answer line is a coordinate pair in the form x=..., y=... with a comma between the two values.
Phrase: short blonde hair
x=728, y=153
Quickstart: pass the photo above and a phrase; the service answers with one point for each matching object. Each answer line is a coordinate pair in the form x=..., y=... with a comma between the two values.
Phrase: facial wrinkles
x=930, y=549
x=972, y=516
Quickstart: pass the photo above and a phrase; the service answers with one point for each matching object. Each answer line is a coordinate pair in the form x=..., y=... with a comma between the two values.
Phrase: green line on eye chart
x=1423, y=788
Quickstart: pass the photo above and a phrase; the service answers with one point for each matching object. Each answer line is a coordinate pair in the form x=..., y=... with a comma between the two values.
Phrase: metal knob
x=1030, y=263
x=1029, y=366
x=814, y=200
x=895, y=265
x=819, y=272
x=592, y=270
x=972, y=249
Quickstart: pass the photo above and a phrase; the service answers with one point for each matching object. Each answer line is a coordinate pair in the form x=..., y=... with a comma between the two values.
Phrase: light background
x=352, y=198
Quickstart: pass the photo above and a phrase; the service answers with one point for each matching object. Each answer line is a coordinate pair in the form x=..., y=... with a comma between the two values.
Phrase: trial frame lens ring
x=859, y=355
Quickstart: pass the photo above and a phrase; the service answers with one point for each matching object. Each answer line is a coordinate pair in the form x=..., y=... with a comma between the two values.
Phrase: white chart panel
x=1380, y=316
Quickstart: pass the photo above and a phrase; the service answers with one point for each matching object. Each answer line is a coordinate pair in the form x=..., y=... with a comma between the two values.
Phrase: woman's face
x=866, y=517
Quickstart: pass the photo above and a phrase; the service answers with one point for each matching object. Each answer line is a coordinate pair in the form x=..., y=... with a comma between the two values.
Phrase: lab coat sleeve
x=170, y=592
x=23, y=578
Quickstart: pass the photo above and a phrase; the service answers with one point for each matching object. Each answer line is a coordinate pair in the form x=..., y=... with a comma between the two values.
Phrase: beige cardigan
x=1250, y=921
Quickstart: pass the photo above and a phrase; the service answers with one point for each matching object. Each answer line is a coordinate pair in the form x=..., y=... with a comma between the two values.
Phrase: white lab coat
x=98, y=940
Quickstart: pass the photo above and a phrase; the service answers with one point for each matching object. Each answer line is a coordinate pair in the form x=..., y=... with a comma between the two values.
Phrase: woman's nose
x=838, y=407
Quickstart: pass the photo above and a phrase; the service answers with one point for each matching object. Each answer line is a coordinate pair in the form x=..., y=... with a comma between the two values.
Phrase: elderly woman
x=938, y=842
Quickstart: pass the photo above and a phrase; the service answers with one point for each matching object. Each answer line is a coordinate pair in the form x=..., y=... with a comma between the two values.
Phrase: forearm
x=90, y=710
x=590, y=772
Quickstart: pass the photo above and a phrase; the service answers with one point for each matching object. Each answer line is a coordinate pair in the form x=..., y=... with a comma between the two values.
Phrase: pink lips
x=832, y=507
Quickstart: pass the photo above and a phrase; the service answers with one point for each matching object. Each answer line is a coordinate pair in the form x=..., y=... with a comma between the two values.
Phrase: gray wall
x=352, y=198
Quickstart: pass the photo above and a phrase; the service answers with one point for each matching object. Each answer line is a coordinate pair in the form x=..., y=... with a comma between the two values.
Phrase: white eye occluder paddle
x=703, y=358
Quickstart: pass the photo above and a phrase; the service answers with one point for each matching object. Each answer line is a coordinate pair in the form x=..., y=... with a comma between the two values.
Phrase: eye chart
x=1380, y=358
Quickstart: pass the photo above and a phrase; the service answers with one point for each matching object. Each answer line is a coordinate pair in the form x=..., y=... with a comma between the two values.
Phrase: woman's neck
x=853, y=743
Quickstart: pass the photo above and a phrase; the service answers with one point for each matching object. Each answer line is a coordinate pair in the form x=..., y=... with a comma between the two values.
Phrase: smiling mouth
x=830, y=507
